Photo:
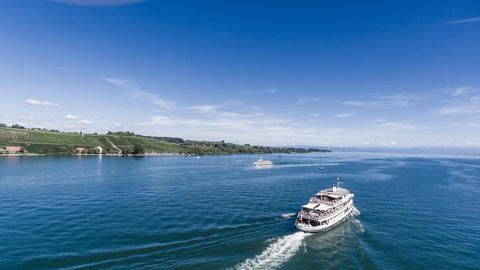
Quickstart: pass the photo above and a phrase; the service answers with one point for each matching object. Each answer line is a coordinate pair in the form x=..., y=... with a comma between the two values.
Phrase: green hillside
x=61, y=143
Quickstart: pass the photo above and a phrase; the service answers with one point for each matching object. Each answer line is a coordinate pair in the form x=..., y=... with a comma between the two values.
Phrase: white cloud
x=205, y=108
x=463, y=100
x=162, y=103
x=29, y=118
x=387, y=143
x=358, y=103
x=161, y=120
x=343, y=115
x=136, y=92
x=467, y=106
x=463, y=91
x=71, y=117
x=85, y=122
x=305, y=100
x=467, y=20
x=459, y=110
x=402, y=125
x=43, y=103
x=237, y=127
x=254, y=128
x=259, y=92
x=118, y=82
x=396, y=100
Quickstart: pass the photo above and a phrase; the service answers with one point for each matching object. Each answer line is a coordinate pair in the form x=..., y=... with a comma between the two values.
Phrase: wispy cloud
x=467, y=20
x=28, y=118
x=259, y=92
x=402, y=125
x=71, y=117
x=305, y=100
x=237, y=127
x=118, y=82
x=461, y=107
x=205, y=108
x=97, y=3
x=359, y=103
x=343, y=115
x=463, y=100
x=463, y=91
x=223, y=121
x=78, y=120
x=43, y=103
x=137, y=92
x=397, y=100
x=85, y=122
x=252, y=127
x=384, y=144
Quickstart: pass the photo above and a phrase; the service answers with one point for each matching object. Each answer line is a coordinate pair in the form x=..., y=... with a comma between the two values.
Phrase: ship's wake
x=355, y=212
x=288, y=215
x=277, y=253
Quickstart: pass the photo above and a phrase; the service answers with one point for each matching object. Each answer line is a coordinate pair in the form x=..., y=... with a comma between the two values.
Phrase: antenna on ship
x=339, y=182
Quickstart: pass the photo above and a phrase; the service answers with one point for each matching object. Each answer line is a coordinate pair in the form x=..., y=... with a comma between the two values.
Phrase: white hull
x=332, y=222
x=262, y=164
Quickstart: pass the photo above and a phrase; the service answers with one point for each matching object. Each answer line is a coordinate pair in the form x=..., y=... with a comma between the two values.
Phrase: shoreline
x=143, y=155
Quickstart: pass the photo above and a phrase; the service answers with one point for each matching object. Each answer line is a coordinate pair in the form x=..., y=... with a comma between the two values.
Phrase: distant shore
x=132, y=155
x=21, y=141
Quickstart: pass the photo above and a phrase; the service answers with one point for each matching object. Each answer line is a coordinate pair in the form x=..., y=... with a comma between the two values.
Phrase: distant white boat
x=262, y=163
x=321, y=168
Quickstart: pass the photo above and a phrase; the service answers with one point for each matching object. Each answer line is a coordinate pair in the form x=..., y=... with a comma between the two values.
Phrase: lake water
x=217, y=212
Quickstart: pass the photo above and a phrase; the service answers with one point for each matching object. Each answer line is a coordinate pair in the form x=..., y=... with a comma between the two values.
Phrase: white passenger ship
x=326, y=209
x=262, y=163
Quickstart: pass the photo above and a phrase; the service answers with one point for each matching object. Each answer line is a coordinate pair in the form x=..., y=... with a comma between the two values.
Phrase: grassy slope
x=46, y=142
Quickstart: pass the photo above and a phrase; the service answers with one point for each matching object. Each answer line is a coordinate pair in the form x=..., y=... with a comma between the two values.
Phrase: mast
x=338, y=182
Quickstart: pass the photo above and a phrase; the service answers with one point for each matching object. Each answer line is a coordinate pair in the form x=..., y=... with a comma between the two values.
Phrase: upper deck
x=328, y=198
x=334, y=192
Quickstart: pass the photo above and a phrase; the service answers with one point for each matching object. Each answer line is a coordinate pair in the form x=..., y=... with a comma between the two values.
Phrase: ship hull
x=332, y=222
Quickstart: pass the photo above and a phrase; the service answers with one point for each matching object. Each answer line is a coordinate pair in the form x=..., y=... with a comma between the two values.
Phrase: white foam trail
x=358, y=225
x=355, y=212
x=288, y=215
x=277, y=253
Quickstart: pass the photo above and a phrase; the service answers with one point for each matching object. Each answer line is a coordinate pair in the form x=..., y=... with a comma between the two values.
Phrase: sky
x=323, y=73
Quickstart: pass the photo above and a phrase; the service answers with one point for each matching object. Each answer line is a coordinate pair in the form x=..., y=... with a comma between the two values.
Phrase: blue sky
x=333, y=73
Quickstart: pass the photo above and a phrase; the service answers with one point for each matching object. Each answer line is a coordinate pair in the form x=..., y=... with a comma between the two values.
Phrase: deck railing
x=325, y=214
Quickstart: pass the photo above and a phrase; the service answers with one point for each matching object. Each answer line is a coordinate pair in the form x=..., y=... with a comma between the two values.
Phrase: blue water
x=217, y=212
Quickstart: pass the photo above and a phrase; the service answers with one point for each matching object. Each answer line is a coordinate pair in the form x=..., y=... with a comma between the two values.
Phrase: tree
x=138, y=149
x=17, y=126
x=3, y=125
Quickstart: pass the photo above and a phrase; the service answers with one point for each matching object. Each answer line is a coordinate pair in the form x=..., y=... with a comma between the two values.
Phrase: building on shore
x=80, y=150
x=13, y=149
